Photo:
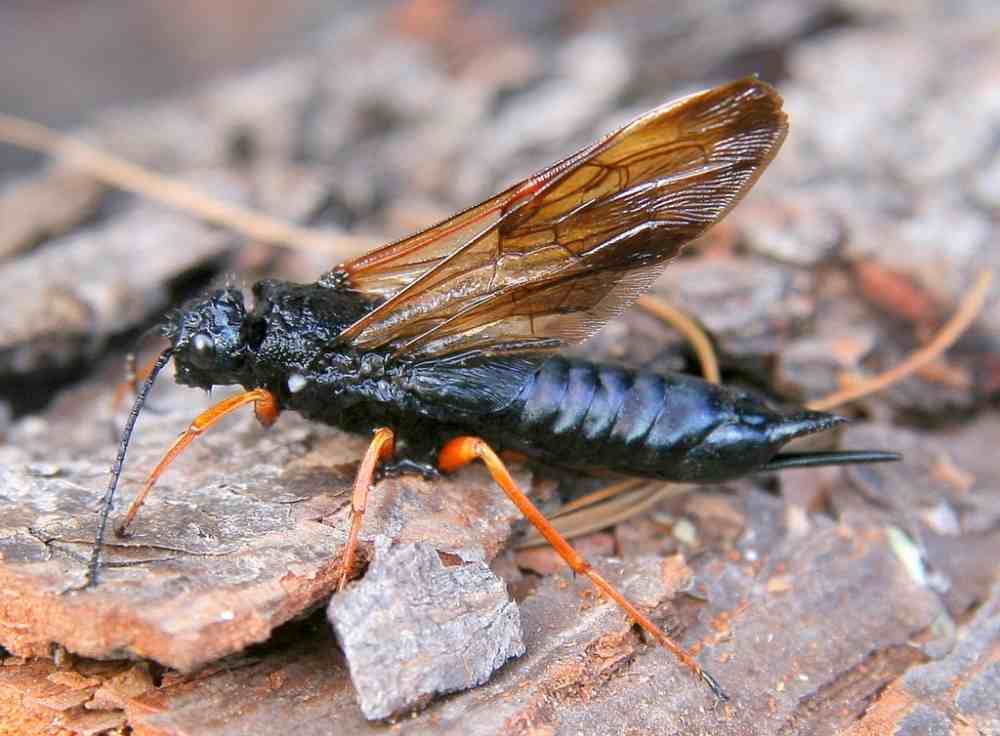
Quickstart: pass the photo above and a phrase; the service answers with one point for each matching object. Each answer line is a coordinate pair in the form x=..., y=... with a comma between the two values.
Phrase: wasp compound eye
x=202, y=350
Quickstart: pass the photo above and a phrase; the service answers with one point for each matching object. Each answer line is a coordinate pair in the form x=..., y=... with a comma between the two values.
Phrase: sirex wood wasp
x=448, y=340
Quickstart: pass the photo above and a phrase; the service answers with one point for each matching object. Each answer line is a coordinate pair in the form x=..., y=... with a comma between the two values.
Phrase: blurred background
x=376, y=119
x=381, y=118
x=67, y=58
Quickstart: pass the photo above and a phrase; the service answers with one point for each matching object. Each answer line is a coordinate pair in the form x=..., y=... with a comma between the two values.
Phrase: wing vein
x=550, y=260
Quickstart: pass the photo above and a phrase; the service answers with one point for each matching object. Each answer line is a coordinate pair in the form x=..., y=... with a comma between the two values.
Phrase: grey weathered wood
x=245, y=532
x=75, y=295
x=802, y=605
x=414, y=628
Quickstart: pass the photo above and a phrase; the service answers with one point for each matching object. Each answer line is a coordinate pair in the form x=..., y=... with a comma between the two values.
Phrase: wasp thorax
x=207, y=335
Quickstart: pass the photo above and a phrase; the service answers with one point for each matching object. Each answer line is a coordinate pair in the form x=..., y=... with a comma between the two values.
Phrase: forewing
x=384, y=272
x=551, y=260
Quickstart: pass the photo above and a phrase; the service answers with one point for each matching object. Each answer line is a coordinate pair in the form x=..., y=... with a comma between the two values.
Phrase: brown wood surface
x=802, y=594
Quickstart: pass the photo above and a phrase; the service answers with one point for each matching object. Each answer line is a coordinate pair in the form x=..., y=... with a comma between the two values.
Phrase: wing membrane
x=551, y=260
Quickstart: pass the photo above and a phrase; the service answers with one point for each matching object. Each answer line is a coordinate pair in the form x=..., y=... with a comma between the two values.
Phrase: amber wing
x=551, y=260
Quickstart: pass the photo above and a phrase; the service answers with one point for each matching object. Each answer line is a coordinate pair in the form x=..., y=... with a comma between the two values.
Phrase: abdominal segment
x=670, y=426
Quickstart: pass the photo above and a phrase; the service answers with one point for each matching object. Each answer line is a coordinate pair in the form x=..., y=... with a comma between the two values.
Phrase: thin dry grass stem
x=606, y=508
x=129, y=177
x=689, y=329
x=968, y=310
x=602, y=494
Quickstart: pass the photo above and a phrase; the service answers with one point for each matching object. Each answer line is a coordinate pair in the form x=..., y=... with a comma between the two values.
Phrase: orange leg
x=381, y=449
x=132, y=379
x=463, y=450
x=265, y=407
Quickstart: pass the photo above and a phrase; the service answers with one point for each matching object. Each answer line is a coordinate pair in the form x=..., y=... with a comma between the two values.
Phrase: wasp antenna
x=116, y=468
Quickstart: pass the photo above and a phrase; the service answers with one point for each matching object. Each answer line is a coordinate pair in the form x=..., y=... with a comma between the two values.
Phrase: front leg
x=266, y=409
x=380, y=450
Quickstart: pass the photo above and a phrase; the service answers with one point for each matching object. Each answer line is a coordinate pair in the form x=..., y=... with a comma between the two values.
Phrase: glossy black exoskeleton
x=452, y=337
x=562, y=411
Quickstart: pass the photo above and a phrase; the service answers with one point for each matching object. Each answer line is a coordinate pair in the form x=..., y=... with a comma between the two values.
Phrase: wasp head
x=209, y=347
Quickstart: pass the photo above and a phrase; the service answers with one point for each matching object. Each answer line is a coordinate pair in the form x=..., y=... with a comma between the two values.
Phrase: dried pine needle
x=129, y=177
x=689, y=329
x=627, y=503
x=967, y=311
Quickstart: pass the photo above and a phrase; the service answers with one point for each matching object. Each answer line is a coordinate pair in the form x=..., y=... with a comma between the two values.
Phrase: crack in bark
x=859, y=686
x=51, y=541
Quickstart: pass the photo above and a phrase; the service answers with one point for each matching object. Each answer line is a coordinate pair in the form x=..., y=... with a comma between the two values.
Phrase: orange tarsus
x=464, y=450
x=382, y=448
x=266, y=408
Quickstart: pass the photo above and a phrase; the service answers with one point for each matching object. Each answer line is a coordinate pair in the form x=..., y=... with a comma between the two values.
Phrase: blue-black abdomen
x=669, y=426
